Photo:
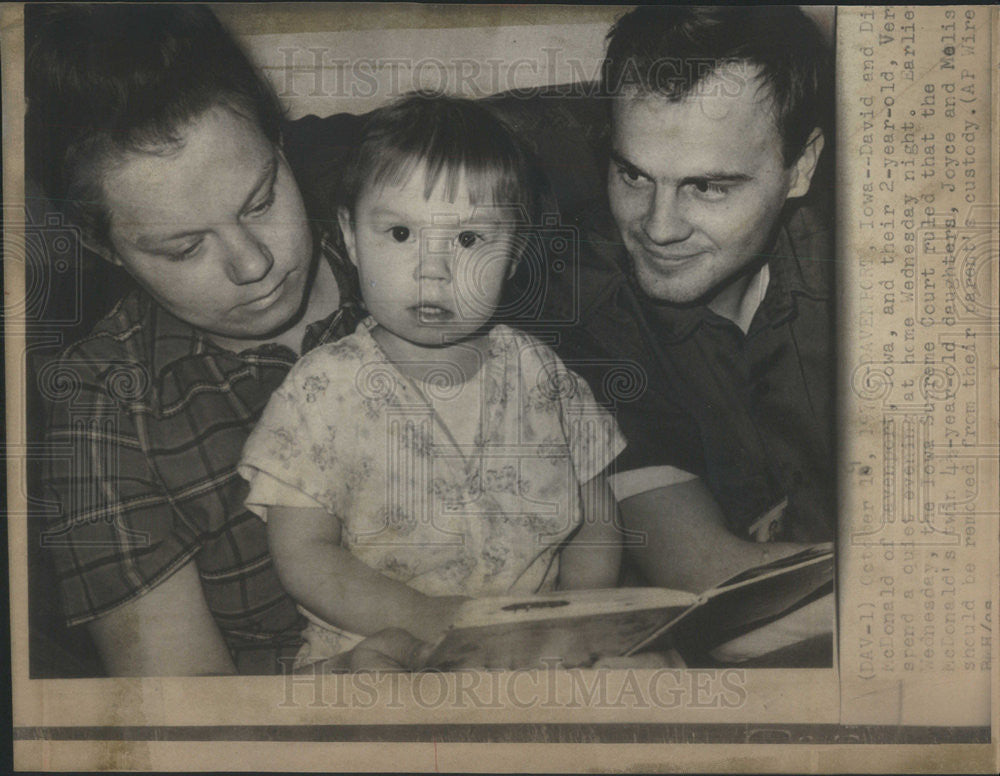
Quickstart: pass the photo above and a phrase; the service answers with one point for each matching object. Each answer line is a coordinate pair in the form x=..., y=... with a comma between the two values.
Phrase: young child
x=432, y=456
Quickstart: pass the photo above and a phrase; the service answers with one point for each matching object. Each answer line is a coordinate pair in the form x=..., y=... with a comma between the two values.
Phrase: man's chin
x=664, y=291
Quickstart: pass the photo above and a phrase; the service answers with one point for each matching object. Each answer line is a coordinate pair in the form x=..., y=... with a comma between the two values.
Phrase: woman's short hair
x=453, y=137
x=102, y=80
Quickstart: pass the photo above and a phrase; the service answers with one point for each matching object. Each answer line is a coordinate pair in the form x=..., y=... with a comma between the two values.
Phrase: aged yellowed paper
x=913, y=685
x=918, y=224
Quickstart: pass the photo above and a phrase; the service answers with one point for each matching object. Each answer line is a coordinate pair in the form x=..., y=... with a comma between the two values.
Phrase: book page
x=912, y=685
x=580, y=626
x=748, y=601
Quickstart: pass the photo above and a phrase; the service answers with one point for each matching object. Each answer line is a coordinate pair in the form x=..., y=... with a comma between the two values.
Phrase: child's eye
x=400, y=233
x=467, y=239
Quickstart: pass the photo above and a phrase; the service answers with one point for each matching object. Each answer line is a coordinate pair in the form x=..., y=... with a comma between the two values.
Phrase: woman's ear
x=520, y=247
x=804, y=168
x=347, y=231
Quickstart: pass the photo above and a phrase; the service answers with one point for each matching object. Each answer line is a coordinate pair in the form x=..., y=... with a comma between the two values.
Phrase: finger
x=400, y=647
x=337, y=664
x=365, y=659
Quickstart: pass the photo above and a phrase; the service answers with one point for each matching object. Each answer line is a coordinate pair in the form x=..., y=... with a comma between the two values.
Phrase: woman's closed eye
x=185, y=252
x=263, y=206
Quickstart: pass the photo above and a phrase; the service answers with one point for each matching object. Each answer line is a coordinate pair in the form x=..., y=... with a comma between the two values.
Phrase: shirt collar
x=345, y=318
x=753, y=297
x=172, y=339
x=801, y=266
x=798, y=264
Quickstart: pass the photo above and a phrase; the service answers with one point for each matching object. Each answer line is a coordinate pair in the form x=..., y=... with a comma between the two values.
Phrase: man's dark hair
x=103, y=80
x=670, y=50
x=454, y=137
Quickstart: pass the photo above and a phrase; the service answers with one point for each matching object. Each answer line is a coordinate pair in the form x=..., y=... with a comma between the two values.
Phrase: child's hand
x=392, y=649
x=437, y=616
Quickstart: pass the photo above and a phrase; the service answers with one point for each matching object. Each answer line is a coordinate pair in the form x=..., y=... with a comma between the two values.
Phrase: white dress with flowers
x=477, y=512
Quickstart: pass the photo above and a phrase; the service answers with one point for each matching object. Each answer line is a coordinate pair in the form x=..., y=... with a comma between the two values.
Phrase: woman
x=153, y=126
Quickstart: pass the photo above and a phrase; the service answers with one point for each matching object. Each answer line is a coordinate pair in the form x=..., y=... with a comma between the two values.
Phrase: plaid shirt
x=147, y=422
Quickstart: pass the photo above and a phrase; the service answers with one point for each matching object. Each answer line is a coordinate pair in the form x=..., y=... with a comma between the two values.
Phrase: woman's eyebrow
x=154, y=242
x=265, y=179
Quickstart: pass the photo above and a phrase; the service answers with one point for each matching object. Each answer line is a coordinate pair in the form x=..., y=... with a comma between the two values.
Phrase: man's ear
x=347, y=230
x=806, y=165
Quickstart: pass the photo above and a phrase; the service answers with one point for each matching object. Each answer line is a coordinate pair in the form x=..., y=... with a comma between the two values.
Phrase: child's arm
x=327, y=580
x=593, y=556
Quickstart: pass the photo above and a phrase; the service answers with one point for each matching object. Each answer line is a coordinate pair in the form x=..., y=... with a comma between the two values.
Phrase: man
x=704, y=276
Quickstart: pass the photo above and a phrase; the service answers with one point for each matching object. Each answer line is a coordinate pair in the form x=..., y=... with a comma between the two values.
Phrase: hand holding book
x=578, y=628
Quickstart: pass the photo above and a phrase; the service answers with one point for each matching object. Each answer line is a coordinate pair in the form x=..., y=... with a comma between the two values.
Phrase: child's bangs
x=456, y=143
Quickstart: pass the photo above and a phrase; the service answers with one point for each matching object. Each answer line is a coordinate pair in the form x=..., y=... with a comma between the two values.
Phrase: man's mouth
x=672, y=258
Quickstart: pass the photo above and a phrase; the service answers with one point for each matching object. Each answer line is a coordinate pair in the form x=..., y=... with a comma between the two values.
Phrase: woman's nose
x=249, y=258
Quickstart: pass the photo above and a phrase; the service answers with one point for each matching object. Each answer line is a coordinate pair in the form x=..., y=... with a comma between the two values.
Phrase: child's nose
x=436, y=257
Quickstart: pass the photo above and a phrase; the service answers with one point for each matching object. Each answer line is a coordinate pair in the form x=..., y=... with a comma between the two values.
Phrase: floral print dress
x=349, y=433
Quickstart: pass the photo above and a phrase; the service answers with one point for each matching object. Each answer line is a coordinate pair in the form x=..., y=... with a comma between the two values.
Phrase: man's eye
x=400, y=233
x=631, y=176
x=467, y=239
x=708, y=190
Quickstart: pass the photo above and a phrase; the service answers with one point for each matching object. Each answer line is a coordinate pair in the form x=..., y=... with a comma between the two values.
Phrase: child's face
x=432, y=271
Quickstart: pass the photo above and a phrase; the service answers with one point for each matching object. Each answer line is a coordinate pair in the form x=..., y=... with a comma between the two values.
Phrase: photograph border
x=167, y=723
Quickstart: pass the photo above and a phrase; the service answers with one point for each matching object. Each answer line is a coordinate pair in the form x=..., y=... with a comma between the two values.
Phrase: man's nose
x=249, y=258
x=665, y=222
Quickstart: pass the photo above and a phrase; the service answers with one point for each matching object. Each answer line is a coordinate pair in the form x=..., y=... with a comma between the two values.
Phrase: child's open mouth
x=432, y=313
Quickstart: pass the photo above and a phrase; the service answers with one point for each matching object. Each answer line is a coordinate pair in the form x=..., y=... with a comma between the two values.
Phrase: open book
x=574, y=628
